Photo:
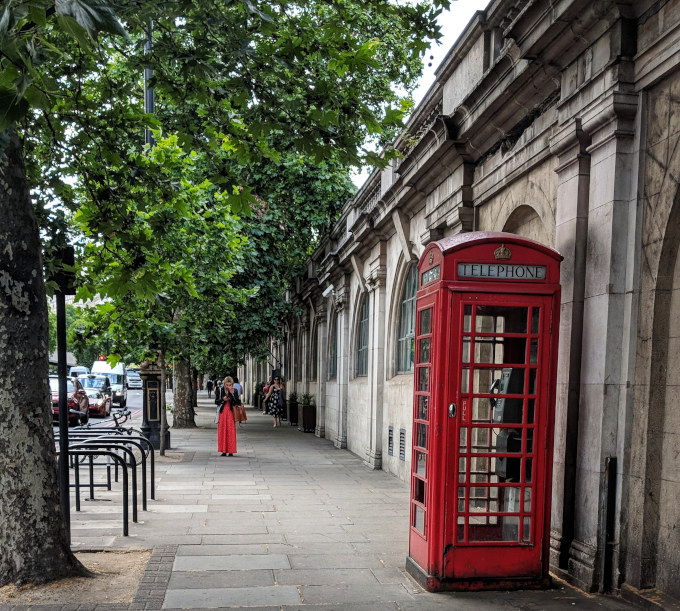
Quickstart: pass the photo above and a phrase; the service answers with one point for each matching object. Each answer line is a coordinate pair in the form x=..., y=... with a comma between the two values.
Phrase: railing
x=124, y=449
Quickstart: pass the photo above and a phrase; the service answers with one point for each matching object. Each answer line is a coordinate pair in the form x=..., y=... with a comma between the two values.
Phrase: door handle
x=452, y=410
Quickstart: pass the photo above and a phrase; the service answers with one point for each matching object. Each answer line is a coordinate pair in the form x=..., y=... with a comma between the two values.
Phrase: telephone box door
x=496, y=427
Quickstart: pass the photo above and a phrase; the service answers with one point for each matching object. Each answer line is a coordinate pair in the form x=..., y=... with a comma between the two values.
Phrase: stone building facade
x=558, y=121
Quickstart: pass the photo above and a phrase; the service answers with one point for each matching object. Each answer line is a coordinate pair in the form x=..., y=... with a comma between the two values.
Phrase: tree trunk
x=34, y=544
x=194, y=382
x=183, y=412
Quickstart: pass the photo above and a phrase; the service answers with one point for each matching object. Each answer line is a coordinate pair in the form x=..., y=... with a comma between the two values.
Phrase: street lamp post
x=64, y=280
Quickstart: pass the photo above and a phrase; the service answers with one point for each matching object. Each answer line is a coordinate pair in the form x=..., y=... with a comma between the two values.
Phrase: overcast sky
x=453, y=22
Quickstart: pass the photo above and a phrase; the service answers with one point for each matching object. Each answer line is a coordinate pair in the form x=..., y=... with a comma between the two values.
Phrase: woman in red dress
x=226, y=426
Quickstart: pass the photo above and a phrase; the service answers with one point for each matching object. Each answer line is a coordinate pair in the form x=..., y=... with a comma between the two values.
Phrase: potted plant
x=308, y=413
x=259, y=395
x=293, y=408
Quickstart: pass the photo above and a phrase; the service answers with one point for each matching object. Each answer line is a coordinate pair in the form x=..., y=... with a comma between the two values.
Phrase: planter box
x=308, y=418
x=293, y=413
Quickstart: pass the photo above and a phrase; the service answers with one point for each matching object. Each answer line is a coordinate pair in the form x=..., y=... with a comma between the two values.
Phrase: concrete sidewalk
x=290, y=522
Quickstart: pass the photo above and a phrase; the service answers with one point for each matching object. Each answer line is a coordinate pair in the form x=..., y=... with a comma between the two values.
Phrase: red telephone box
x=487, y=320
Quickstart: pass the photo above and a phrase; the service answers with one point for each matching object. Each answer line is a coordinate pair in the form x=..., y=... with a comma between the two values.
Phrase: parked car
x=100, y=402
x=134, y=381
x=76, y=400
x=97, y=381
x=118, y=378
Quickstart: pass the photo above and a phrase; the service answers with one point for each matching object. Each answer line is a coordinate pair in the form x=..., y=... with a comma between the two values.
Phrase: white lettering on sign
x=501, y=271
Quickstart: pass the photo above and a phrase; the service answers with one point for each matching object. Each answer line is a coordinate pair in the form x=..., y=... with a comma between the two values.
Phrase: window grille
x=333, y=350
x=362, y=339
x=407, y=322
x=390, y=441
x=402, y=444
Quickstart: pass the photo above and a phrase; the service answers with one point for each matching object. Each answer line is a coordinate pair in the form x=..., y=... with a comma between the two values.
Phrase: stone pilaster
x=341, y=301
x=569, y=143
x=610, y=244
x=321, y=368
x=376, y=357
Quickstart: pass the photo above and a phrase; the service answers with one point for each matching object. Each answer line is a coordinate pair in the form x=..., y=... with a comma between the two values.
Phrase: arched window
x=333, y=349
x=362, y=339
x=313, y=356
x=407, y=322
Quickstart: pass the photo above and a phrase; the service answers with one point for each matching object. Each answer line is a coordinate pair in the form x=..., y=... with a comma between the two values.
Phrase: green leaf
x=37, y=98
x=93, y=15
x=37, y=15
x=8, y=77
x=253, y=9
x=5, y=14
x=71, y=27
x=12, y=108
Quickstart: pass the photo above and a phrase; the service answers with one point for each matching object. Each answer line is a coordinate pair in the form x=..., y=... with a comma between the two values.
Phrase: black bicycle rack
x=114, y=448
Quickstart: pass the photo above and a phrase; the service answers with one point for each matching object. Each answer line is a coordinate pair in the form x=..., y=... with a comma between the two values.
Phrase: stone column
x=321, y=367
x=341, y=301
x=603, y=383
x=569, y=144
x=376, y=357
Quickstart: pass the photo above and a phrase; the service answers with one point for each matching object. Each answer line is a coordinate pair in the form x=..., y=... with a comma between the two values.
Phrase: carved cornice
x=377, y=278
x=341, y=299
x=415, y=133
x=321, y=311
x=612, y=116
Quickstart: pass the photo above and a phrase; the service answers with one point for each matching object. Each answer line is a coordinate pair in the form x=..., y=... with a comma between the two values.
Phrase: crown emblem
x=502, y=252
x=431, y=258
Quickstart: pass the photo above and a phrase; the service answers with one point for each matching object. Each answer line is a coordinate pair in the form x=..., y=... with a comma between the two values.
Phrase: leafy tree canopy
x=265, y=104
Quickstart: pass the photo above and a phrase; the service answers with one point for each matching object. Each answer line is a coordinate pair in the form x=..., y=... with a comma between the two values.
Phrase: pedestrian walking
x=238, y=387
x=265, y=390
x=225, y=399
x=275, y=400
x=209, y=386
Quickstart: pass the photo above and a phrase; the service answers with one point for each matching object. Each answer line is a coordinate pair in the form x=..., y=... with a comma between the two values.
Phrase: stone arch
x=527, y=222
x=662, y=477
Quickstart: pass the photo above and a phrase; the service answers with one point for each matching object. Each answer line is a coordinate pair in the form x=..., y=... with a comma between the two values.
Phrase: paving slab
x=225, y=598
x=290, y=522
x=353, y=593
x=233, y=562
x=325, y=577
x=180, y=580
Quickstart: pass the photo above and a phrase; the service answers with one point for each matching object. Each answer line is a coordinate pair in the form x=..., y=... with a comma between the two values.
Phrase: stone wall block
x=673, y=368
x=656, y=169
x=600, y=266
x=566, y=243
x=674, y=109
x=587, y=497
x=567, y=208
x=556, y=509
x=658, y=103
x=561, y=397
x=595, y=320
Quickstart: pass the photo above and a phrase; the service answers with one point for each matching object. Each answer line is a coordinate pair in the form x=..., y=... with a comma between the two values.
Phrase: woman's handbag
x=239, y=413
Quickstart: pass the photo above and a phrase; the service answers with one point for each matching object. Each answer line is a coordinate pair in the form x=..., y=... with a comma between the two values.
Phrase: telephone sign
x=487, y=316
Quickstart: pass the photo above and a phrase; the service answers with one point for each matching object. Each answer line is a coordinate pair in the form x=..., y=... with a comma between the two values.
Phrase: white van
x=78, y=370
x=118, y=378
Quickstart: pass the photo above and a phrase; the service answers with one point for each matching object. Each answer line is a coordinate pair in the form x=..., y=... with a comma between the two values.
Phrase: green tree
x=249, y=82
